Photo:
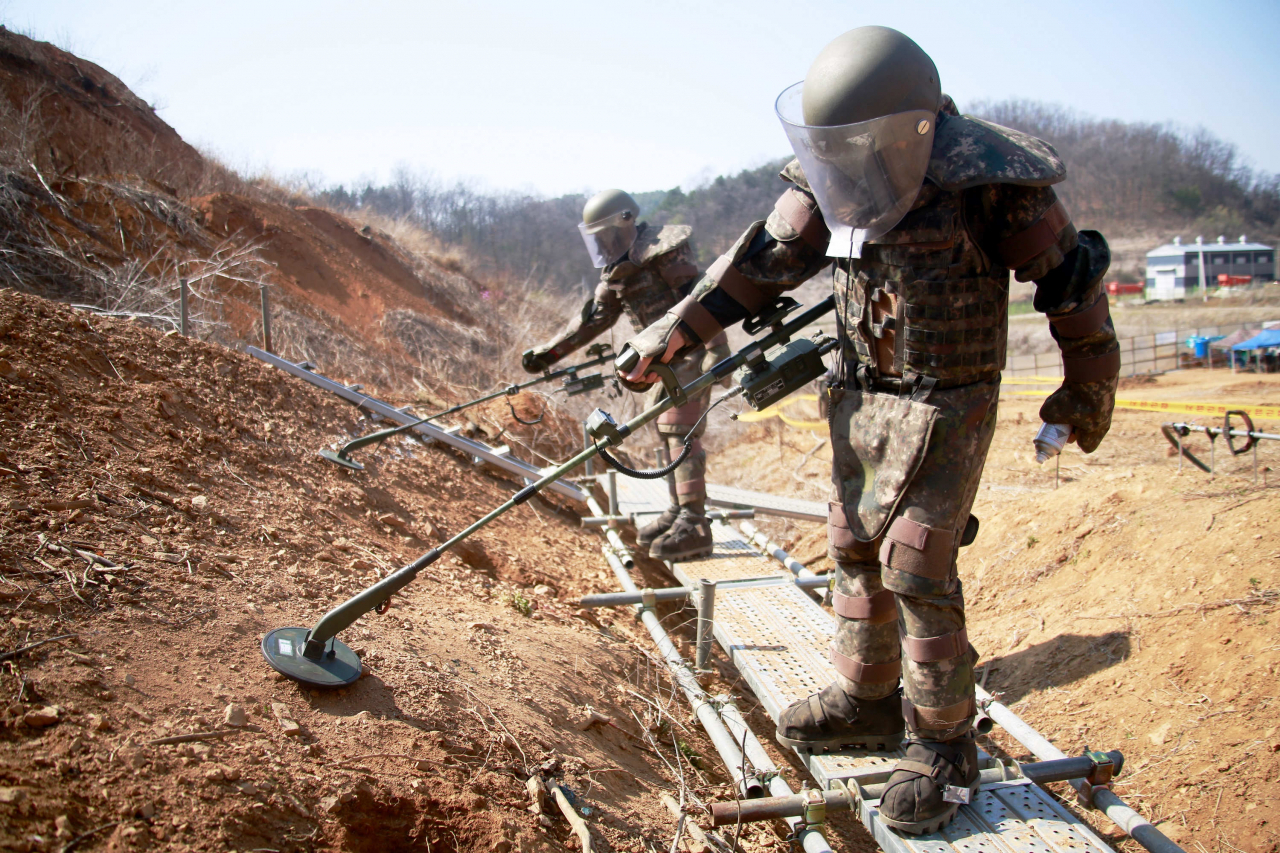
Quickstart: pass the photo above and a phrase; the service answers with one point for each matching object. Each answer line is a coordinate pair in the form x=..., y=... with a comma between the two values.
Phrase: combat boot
x=689, y=536
x=928, y=787
x=660, y=525
x=832, y=719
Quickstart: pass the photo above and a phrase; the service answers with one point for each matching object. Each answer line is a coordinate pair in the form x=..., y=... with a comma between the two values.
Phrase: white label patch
x=285, y=646
x=952, y=794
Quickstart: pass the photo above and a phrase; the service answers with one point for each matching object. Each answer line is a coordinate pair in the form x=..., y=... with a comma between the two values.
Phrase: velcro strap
x=797, y=214
x=816, y=711
x=691, y=487
x=1085, y=322
x=687, y=414
x=699, y=319
x=929, y=649
x=912, y=766
x=1093, y=368
x=678, y=273
x=1022, y=247
x=865, y=673
x=736, y=285
x=876, y=609
x=924, y=717
x=838, y=532
x=917, y=549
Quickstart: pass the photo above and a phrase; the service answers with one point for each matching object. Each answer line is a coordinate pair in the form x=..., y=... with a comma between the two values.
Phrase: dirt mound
x=162, y=502
x=74, y=118
x=1131, y=608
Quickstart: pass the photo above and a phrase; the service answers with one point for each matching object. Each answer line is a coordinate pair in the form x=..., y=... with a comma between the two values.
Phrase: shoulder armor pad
x=969, y=152
x=792, y=173
x=655, y=242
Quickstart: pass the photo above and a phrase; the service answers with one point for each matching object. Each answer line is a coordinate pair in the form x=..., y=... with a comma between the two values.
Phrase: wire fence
x=1153, y=353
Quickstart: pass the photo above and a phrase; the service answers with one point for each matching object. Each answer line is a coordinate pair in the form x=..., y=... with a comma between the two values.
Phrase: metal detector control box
x=783, y=370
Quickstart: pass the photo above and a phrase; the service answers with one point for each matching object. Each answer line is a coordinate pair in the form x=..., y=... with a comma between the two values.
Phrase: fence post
x=182, y=307
x=266, y=319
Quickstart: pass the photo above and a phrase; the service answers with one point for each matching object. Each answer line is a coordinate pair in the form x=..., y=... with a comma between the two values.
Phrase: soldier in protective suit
x=645, y=271
x=919, y=213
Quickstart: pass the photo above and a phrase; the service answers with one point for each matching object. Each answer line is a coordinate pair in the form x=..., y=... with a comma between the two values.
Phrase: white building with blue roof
x=1174, y=268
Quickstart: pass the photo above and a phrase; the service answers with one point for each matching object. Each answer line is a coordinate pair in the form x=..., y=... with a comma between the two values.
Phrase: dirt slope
x=1133, y=608
x=193, y=468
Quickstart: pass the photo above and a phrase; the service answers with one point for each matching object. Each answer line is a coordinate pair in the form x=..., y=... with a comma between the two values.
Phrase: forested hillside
x=1139, y=182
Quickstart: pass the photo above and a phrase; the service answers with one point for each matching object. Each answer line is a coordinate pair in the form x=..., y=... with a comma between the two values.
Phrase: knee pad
x=918, y=560
x=842, y=545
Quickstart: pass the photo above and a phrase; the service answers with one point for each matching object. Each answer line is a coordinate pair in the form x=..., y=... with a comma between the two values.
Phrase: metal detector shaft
x=376, y=437
x=341, y=617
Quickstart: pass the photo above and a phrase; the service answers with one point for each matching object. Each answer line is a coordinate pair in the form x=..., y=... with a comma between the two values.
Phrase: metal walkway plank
x=475, y=449
x=643, y=497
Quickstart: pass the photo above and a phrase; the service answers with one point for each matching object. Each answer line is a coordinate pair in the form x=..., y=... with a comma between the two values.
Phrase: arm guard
x=597, y=317
x=1080, y=321
x=1028, y=231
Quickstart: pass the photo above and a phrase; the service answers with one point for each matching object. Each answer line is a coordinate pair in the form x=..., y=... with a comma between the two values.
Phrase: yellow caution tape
x=1184, y=407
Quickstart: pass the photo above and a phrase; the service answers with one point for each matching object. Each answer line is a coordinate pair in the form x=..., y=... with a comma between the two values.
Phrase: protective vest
x=925, y=299
x=651, y=278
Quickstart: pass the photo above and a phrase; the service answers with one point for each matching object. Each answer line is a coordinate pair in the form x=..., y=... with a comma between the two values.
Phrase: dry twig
x=579, y=825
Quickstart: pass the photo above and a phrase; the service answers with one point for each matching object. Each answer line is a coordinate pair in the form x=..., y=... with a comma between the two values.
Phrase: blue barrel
x=1198, y=344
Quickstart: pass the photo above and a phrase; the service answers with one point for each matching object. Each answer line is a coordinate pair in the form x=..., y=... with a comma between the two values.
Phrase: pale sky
x=558, y=97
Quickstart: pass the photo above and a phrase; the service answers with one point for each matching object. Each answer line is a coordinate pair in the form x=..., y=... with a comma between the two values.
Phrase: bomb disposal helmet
x=608, y=226
x=861, y=124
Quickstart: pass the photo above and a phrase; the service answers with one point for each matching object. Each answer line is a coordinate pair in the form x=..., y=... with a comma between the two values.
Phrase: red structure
x=1225, y=280
x=1115, y=288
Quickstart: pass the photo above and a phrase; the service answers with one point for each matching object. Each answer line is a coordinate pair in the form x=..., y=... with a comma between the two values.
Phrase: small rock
x=290, y=728
x=39, y=718
x=146, y=811
x=231, y=774
x=391, y=520
x=139, y=713
x=213, y=773
x=1224, y=766
x=346, y=796
x=98, y=723
x=234, y=715
x=330, y=805
x=199, y=502
x=247, y=788
x=1083, y=530
x=130, y=680
x=253, y=608
x=482, y=626
x=542, y=589
x=279, y=710
x=10, y=796
x=62, y=826
x=422, y=765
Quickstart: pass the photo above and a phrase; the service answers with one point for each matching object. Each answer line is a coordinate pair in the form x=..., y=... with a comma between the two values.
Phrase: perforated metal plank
x=476, y=449
x=1007, y=817
x=733, y=559
x=765, y=504
x=653, y=496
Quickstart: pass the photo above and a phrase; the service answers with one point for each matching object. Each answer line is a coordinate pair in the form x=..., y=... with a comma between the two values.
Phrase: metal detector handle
x=627, y=359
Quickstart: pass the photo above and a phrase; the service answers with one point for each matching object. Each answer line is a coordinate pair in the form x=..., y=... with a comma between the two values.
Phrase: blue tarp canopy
x=1265, y=338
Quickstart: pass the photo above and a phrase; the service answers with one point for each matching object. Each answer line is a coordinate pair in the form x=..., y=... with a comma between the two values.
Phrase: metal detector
x=573, y=385
x=316, y=657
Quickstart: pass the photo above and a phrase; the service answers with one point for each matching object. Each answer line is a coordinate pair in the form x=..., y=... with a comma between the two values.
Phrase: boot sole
x=931, y=825
x=870, y=743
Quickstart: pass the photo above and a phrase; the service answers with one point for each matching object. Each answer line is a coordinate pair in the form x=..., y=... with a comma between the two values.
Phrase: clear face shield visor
x=610, y=238
x=865, y=176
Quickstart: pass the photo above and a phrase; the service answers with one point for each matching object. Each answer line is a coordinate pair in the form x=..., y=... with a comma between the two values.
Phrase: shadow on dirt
x=1061, y=660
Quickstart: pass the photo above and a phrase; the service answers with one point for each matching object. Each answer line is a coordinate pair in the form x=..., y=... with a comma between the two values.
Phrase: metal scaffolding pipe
x=706, y=618
x=770, y=808
x=749, y=784
x=812, y=842
x=620, y=547
x=675, y=593
x=1139, y=828
x=758, y=538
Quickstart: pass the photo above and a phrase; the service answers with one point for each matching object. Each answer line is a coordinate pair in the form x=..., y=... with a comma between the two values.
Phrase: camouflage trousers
x=898, y=600
x=675, y=425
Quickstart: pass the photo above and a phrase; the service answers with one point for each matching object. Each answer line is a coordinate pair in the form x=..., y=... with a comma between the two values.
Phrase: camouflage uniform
x=645, y=284
x=922, y=316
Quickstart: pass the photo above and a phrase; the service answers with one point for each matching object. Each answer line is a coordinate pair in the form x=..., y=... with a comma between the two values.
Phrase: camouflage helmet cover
x=608, y=226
